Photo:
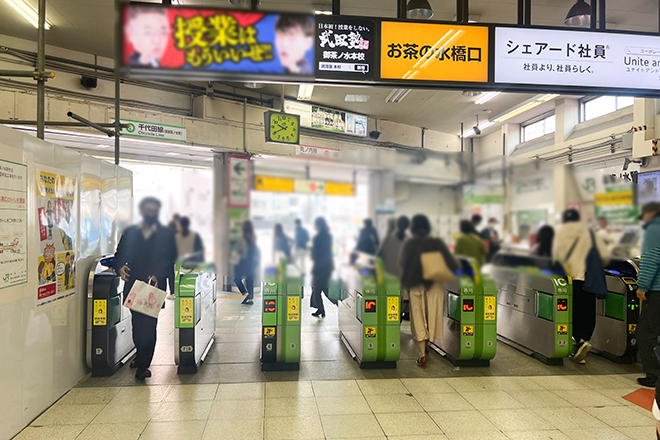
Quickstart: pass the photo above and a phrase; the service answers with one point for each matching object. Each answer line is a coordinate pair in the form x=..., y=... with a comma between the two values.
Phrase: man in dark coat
x=146, y=252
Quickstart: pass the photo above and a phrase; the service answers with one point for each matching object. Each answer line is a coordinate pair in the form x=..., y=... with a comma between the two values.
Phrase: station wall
x=42, y=344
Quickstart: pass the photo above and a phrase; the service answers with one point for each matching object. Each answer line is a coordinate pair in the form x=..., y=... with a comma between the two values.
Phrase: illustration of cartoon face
x=129, y=299
x=152, y=301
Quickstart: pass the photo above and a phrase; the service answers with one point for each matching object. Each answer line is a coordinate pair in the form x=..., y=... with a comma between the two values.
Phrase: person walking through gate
x=368, y=239
x=322, y=267
x=146, y=252
x=573, y=243
x=248, y=262
x=389, y=252
x=426, y=297
x=648, y=291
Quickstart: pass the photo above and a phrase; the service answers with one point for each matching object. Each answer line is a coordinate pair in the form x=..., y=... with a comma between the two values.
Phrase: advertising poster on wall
x=185, y=40
x=56, y=214
x=13, y=224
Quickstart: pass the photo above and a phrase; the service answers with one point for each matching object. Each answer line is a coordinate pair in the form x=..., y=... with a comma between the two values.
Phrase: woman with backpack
x=248, y=263
x=573, y=245
x=426, y=296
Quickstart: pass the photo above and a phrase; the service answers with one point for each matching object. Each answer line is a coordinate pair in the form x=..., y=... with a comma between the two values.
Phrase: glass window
x=538, y=128
x=597, y=107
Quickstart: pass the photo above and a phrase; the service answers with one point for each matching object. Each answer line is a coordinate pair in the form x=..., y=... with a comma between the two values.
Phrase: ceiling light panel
x=486, y=97
x=356, y=98
x=27, y=12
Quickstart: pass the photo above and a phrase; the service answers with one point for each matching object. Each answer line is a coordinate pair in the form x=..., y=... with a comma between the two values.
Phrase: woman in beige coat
x=426, y=299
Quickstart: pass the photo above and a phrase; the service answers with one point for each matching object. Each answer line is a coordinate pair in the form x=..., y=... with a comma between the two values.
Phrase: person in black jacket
x=146, y=252
x=323, y=265
x=426, y=298
x=368, y=239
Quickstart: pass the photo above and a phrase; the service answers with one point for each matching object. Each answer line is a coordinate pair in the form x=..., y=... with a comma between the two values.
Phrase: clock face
x=284, y=128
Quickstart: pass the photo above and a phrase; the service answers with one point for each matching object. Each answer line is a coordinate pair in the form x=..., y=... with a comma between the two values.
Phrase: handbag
x=434, y=267
x=145, y=298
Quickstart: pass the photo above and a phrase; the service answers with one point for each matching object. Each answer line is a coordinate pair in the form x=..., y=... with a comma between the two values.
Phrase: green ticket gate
x=534, y=306
x=195, y=315
x=281, y=317
x=616, y=317
x=369, y=321
x=109, y=325
x=470, y=317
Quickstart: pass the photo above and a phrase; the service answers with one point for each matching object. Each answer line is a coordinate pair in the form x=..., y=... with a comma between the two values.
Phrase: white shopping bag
x=145, y=298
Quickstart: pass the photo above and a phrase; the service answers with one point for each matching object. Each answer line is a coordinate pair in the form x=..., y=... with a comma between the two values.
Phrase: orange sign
x=339, y=189
x=434, y=52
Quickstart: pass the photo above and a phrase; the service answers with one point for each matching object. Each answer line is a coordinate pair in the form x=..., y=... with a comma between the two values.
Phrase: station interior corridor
x=330, y=397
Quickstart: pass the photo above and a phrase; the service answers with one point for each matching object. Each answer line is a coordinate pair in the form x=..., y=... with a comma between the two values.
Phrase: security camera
x=477, y=130
x=374, y=134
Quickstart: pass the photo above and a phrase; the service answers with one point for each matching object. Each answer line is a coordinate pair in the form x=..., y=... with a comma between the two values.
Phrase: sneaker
x=133, y=364
x=647, y=381
x=247, y=301
x=170, y=296
x=581, y=352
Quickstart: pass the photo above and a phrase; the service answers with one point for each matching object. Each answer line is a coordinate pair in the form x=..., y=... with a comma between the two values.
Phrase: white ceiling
x=88, y=26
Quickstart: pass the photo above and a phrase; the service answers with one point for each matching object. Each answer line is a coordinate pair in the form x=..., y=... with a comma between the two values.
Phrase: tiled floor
x=515, y=398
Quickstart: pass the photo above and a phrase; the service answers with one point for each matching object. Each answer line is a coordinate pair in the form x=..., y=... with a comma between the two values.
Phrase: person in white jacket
x=572, y=243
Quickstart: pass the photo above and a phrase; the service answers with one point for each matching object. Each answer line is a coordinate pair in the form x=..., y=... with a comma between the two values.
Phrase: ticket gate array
x=470, y=317
x=369, y=321
x=616, y=317
x=195, y=314
x=534, y=306
x=109, y=325
x=281, y=318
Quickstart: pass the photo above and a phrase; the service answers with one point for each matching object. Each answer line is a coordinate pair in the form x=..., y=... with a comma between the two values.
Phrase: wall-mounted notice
x=239, y=181
x=575, y=58
x=56, y=214
x=13, y=224
x=321, y=118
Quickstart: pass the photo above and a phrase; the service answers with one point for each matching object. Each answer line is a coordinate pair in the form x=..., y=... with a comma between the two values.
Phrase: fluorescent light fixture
x=27, y=12
x=397, y=95
x=526, y=106
x=431, y=181
x=548, y=97
x=322, y=12
x=356, y=98
x=486, y=97
x=482, y=127
x=305, y=92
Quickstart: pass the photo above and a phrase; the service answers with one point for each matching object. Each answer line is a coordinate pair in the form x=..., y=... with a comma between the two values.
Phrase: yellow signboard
x=434, y=52
x=293, y=308
x=468, y=330
x=614, y=198
x=273, y=184
x=490, y=306
x=562, y=329
x=100, y=312
x=632, y=328
x=186, y=310
x=370, y=332
x=339, y=189
x=392, y=308
x=269, y=332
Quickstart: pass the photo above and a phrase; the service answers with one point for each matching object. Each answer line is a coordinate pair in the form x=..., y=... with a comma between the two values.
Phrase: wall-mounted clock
x=282, y=128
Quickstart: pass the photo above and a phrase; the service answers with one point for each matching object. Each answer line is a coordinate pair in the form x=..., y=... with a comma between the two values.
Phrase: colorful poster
x=344, y=48
x=56, y=211
x=13, y=224
x=158, y=38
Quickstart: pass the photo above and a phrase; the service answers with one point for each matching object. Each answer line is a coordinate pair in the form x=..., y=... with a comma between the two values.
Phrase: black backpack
x=594, y=277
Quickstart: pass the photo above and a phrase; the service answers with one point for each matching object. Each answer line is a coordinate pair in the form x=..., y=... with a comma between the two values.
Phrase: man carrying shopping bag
x=146, y=252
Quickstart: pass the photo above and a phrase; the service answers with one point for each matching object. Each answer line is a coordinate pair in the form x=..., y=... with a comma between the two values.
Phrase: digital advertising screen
x=647, y=187
x=181, y=42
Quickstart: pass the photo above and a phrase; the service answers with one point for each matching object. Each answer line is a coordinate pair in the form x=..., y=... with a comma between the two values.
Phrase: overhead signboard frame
x=462, y=43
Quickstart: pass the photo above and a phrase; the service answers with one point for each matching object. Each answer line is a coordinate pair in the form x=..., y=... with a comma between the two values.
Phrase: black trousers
x=320, y=283
x=648, y=330
x=144, y=337
x=584, y=312
x=247, y=287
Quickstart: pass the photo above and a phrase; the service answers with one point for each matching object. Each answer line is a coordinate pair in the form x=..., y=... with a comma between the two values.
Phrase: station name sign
x=433, y=52
x=576, y=58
